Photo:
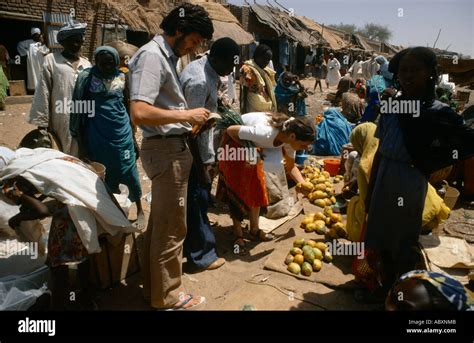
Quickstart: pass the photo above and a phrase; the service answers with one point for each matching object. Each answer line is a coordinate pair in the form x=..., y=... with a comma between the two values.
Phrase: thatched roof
x=334, y=38
x=376, y=46
x=148, y=18
x=231, y=30
x=284, y=24
x=225, y=23
x=136, y=16
x=217, y=11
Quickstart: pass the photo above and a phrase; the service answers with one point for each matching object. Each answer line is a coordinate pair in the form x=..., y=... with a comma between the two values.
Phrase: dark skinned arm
x=31, y=209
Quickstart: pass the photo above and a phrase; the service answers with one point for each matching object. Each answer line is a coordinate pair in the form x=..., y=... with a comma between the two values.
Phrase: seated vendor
x=422, y=290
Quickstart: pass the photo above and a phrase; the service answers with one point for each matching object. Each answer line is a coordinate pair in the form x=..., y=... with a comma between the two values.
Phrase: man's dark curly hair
x=188, y=18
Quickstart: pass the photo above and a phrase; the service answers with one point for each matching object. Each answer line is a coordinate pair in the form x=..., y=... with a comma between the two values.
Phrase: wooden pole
x=437, y=38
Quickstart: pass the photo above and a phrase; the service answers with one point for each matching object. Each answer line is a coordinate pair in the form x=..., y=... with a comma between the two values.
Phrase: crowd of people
x=393, y=158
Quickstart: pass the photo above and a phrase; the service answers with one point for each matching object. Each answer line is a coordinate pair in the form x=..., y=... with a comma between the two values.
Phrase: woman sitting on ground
x=365, y=144
x=290, y=95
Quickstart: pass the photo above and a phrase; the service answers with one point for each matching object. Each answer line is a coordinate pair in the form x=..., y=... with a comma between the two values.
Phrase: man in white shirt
x=23, y=48
x=50, y=109
x=356, y=69
x=35, y=59
x=370, y=67
x=24, y=45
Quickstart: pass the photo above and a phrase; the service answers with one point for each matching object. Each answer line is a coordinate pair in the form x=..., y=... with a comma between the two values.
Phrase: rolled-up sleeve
x=258, y=134
x=146, y=77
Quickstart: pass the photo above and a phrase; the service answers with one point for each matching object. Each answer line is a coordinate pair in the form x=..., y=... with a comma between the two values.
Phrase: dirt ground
x=242, y=280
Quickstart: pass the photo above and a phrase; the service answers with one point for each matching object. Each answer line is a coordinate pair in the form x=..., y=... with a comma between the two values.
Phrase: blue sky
x=419, y=24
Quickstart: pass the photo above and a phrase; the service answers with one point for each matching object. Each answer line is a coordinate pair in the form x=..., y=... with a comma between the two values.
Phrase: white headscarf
x=35, y=30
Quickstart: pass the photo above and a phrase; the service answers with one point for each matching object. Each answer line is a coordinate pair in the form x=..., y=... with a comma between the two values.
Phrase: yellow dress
x=362, y=138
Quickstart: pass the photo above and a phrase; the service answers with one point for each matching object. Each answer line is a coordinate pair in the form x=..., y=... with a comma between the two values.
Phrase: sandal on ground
x=181, y=306
x=240, y=242
x=261, y=236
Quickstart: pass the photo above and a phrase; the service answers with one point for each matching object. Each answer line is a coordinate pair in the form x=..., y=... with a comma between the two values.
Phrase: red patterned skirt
x=241, y=184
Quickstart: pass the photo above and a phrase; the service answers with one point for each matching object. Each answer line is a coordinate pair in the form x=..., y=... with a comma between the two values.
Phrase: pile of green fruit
x=307, y=256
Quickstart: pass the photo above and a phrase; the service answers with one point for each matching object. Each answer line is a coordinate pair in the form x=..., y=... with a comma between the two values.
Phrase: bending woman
x=242, y=182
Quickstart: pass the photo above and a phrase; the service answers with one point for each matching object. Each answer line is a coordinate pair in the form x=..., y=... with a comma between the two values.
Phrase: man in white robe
x=23, y=46
x=333, y=75
x=370, y=67
x=53, y=98
x=356, y=69
x=35, y=59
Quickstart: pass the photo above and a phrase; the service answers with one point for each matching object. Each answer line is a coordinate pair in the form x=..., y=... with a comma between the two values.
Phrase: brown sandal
x=239, y=245
x=261, y=236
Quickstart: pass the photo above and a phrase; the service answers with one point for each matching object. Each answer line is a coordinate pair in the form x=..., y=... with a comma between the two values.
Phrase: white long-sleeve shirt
x=55, y=88
x=23, y=46
x=36, y=53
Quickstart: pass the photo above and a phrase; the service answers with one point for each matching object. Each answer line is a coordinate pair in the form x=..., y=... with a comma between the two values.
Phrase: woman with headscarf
x=425, y=290
x=412, y=145
x=106, y=135
x=352, y=107
x=383, y=70
x=375, y=88
x=290, y=95
x=257, y=81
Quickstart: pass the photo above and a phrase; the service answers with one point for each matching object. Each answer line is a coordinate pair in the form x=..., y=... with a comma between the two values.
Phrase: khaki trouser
x=167, y=163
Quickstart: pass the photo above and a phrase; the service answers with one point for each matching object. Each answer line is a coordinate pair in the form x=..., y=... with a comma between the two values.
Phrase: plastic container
x=451, y=197
x=332, y=166
x=299, y=159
